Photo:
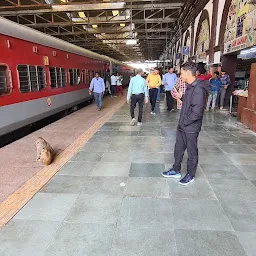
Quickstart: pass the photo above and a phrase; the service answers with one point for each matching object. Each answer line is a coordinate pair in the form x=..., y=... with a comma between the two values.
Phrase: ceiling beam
x=108, y=31
x=78, y=7
x=93, y=21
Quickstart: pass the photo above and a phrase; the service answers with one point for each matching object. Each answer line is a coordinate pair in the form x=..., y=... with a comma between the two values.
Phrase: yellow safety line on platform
x=13, y=204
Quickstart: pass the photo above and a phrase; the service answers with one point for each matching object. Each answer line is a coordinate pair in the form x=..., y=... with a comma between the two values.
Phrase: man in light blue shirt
x=137, y=93
x=98, y=87
x=169, y=81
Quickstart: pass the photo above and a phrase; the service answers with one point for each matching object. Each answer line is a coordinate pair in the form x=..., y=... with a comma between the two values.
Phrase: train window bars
x=86, y=76
x=5, y=80
x=58, y=77
x=32, y=78
x=75, y=76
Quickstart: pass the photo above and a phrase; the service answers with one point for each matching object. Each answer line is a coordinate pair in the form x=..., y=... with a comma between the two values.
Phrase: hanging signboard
x=240, y=27
x=185, y=50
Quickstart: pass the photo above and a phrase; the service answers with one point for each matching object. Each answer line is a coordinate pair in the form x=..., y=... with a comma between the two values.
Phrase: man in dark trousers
x=137, y=93
x=191, y=118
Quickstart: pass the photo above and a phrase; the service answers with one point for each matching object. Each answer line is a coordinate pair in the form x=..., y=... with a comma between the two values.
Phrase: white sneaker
x=139, y=123
x=152, y=113
x=133, y=121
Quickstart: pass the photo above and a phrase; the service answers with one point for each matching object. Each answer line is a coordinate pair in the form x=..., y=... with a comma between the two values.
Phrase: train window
x=63, y=77
x=5, y=80
x=86, y=76
x=24, y=78
x=41, y=78
x=53, y=77
x=58, y=77
x=75, y=76
x=32, y=78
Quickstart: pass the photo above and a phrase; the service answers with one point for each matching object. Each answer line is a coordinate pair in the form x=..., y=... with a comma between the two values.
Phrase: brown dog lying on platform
x=45, y=153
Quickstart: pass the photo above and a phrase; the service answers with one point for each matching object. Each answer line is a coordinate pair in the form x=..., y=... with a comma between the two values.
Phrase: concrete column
x=213, y=30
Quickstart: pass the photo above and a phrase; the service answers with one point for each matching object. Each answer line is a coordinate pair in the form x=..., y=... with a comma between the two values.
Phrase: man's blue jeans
x=158, y=94
x=98, y=99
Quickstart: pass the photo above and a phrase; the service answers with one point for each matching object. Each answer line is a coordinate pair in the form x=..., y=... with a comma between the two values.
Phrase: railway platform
x=104, y=194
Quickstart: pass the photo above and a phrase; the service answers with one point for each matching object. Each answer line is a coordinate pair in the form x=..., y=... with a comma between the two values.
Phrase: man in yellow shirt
x=153, y=81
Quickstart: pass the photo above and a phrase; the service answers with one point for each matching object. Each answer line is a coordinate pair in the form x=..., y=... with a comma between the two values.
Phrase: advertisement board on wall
x=241, y=26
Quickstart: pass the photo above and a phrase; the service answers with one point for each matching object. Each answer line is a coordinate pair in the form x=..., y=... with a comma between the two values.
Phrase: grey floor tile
x=121, y=147
x=242, y=215
x=200, y=189
x=248, y=170
x=65, y=184
x=146, y=170
x=76, y=169
x=230, y=140
x=105, y=186
x=247, y=239
x=95, y=208
x=124, y=156
x=242, y=149
x=147, y=157
x=222, y=172
x=120, y=169
x=249, y=139
x=209, y=149
x=204, y=243
x=243, y=159
x=80, y=240
x=214, y=159
x=147, y=187
x=44, y=206
x=100, y=139
x=95, y=147
x=147, y=148
x=21, y=237
x=129, y=128
x=153, y=132
x=144, y=241
x=241, y=190
x=254, y=182
x=200, y=215
x=146, y=212
x=87, y=156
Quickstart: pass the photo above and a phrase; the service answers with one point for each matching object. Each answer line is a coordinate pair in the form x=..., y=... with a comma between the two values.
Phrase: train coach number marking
x=49, y=102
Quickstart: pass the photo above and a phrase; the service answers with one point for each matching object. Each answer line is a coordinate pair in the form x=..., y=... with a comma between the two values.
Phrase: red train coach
x=41, y=75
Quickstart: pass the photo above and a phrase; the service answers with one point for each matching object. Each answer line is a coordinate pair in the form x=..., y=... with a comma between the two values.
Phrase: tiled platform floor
x=86, y=210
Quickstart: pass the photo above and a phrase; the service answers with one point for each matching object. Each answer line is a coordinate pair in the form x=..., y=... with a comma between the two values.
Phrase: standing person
x=178, y=91
x=119, y=84
x=137, y=93
x=225, y=82
x=98, y=87
x=153, y=81
x=169, y=81
x=113, y=85
x=191, y=118
x=215, y=84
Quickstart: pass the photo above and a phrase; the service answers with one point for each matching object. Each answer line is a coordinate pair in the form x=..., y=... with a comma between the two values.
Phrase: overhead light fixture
x=95, y=26
x=122, y=25
x=115, y=13
x=82, y=15
x=64, y=1
x=131, y=42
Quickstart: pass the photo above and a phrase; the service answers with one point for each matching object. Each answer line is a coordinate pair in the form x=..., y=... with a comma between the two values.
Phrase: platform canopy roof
x=105, y=26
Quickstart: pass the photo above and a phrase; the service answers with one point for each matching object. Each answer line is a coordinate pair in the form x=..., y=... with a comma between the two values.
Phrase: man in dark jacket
x=191, y=118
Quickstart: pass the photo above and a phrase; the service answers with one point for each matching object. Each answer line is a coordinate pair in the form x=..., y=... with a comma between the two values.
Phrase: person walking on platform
x=113, y=80
x=178, y=91
x=215, y=84
x=190, y=122
x=153, y=81
x=137, y=93
x=119, y=85
x=225, y=82
x=169, y=81
x=97, y=86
